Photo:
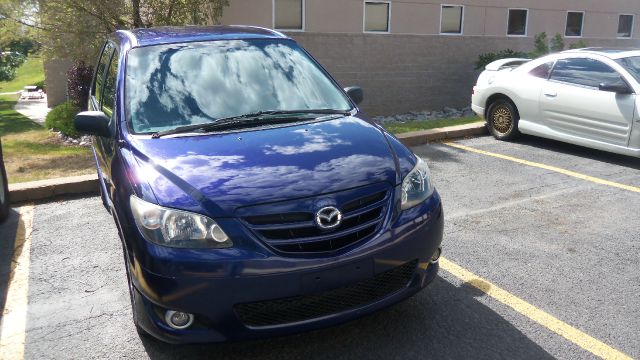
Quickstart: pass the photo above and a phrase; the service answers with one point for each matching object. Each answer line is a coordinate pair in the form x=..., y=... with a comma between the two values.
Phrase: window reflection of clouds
x=314, y=140
x=587, y=72
x=632, y=64
x=182, y=84
x=335, y=174
x=225, y=175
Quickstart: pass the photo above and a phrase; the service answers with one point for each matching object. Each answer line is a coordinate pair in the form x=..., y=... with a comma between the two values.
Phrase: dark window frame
x=98, y=78
x=526, y=22
x=631, y=25
x=566, y=24
x=113, y=61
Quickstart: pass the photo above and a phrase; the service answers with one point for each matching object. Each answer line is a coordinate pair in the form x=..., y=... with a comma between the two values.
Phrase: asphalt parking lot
x=542, y=248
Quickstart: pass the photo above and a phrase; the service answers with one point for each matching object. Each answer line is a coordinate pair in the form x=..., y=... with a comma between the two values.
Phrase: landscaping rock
x=447, y=112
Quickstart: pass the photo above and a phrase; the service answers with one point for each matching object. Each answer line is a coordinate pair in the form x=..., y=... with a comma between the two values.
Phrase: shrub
x=579, y=45
x=487, y=58
x=78, y=84
x=61, y=118
x=540, y=46
x=557, y=43
x=40, y=84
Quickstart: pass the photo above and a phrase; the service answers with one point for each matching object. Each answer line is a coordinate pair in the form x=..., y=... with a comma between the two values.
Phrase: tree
x=557, y=43
x=75, y=28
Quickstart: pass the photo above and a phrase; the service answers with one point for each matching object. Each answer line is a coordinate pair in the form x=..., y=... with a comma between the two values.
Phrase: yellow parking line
x=14, y=318
x=593, y=345
x=548, y=167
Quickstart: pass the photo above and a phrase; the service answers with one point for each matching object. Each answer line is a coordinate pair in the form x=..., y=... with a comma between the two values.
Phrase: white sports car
x=587, y=97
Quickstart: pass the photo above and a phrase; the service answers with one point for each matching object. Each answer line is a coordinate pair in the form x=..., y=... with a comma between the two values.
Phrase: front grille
x=296, y=232
x=301, y=308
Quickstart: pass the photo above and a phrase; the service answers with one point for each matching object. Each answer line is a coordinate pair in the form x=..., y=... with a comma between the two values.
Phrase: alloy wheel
x=502, y=119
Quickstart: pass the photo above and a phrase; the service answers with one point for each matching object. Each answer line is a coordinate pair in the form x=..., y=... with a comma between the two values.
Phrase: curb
x=88, y=184
x=47, y=189
x=415, y=138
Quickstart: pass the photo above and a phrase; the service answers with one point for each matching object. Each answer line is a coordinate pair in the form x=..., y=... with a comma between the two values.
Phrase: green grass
x=399, y=128
x=11, y=121
x=29, y=73
x=32, y=152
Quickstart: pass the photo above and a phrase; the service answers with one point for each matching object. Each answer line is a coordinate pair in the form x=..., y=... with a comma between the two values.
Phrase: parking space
x=520, y=241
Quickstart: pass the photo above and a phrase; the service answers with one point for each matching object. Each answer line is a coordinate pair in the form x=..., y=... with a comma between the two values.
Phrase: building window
x=575, y=20
x=288, y=14
x=451, y=19
x=625, y=26
x=517, y=24
x=376, y=16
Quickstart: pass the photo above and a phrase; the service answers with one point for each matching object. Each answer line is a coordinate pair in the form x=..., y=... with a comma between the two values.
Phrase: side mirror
x=92, y=123
x=618, y=88
x=355, y=93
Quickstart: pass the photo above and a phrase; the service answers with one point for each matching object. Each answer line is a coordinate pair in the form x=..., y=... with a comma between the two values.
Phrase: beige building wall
x=414, y=67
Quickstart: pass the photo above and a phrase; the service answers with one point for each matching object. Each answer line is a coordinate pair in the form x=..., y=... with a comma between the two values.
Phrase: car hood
x=218, y=173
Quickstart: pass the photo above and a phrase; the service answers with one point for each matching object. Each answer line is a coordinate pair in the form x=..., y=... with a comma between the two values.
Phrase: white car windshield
x=632, y=64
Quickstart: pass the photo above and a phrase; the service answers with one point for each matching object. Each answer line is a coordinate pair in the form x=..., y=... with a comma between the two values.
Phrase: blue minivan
x=251, y=195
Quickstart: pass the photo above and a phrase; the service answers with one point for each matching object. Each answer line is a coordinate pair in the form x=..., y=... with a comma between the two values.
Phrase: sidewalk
x=34, y=109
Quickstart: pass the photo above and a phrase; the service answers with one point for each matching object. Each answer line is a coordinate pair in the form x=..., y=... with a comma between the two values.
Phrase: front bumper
x=215, y=299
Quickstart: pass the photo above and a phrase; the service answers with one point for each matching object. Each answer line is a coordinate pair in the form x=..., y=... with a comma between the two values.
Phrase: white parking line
x=14, y=318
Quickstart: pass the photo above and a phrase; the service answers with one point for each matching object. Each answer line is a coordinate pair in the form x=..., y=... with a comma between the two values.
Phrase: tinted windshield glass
x=181, y=84
x=632, y=64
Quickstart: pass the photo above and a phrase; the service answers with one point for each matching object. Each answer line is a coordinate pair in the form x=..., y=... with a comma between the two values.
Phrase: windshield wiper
x=253, y=119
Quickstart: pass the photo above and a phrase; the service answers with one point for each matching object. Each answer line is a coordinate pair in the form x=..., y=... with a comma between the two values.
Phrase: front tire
x=502, y=120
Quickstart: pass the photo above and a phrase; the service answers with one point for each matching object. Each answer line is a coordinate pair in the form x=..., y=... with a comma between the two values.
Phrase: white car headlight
x=416, y=186
x=176, y=228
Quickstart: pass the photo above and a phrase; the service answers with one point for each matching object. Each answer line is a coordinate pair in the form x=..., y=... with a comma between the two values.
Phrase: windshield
x=632, y=64
x=183, y=84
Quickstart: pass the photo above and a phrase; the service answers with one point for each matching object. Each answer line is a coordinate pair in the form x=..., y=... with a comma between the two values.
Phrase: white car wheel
x=502, y=120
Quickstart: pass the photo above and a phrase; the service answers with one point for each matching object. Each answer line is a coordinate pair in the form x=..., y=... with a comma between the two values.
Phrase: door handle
x=550, y=94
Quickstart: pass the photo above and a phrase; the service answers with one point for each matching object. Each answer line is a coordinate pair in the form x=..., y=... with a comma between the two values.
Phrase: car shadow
x=445, y=321
x=581, y=151
x=8, y=231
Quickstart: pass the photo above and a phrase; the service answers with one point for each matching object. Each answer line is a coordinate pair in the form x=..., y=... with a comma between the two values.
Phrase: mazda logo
x=328, y=217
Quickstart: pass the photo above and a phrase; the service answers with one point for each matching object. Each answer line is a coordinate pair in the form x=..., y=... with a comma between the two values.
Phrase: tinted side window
x=585, y=72
x=109, y=92
x=542, y=71
x=102, y=65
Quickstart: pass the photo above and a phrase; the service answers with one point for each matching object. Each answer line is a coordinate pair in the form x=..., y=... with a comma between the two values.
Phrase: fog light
x=178, y=320
x=436, y=255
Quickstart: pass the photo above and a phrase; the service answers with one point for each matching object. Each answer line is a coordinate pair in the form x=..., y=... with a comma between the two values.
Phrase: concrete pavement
x=566, y=246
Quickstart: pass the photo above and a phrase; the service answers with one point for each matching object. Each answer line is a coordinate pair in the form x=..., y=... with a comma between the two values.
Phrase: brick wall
x=401, y=73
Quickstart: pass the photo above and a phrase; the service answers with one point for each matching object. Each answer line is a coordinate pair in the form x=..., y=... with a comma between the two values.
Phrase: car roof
x=179, y=34
x=612, y=53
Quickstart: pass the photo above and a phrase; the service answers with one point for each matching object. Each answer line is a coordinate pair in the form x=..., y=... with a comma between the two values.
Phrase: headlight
x=176, y=228
x=416, y=186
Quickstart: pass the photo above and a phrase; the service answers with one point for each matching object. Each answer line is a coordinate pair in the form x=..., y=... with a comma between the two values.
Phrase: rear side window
x=542, y=71
x=584, y=72
x=96, y=91
x=109, y=92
